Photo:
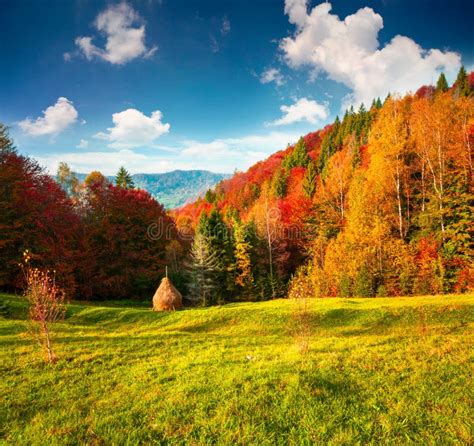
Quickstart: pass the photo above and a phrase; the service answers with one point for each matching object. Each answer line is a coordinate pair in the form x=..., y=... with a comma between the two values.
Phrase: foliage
x=442, y=84
x=204, y=268
x=46, y=304
x=124, y=179
x=68, y=180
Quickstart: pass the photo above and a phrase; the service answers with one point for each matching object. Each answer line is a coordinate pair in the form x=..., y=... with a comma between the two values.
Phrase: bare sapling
x=46, y=304
x=300, y=292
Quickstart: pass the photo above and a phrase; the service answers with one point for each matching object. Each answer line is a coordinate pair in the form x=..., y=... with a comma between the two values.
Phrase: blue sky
x=159, y=85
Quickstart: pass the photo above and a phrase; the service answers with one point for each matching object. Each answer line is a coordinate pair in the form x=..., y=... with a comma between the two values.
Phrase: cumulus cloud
x=225, y=26
x=272, y=75
x=55, y=119
x=302, y=110
x=348, y=51
x=124, y=32
x=83, y=144
x=134, y=129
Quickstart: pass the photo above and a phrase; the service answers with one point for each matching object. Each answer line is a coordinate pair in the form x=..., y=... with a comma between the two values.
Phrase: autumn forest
x=379, y=203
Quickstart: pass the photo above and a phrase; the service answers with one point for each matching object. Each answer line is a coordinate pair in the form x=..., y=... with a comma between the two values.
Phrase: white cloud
x=108, y=162
x=124, y=31
x=348, y=52
x=83, y=144
x=220, y=155
x=134, y=129
x=272, y=75
x=227, y=154
x=302, y=110
x=55, y=119
x=225, y=26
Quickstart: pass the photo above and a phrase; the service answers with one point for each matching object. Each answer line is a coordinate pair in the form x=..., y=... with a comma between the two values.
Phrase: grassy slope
x=392, y=371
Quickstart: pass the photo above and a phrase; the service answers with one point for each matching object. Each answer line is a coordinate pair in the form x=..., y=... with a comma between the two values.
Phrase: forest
x=378, y=203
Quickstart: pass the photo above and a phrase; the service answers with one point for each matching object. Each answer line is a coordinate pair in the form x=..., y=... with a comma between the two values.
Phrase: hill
x=176, y=188
x=375, y=204
x=375, y=371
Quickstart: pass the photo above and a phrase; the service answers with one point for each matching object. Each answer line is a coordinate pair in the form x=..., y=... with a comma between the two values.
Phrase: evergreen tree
x=6, y=143
x=123, y=179
x=309, y=180
x=210, y=196
x=462, y=88
x=204, y=270
x=363, y=285
x=298, y=157
x=331, y=142
x=221, y=245
x=279, y=183
x=442, y=84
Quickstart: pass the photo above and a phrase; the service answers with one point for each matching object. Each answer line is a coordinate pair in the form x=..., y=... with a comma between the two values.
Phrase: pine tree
x=6, y=143
x=462, y=88
x=309, y=180
x=298, y=157
x=442, y=84
x=204, y=270
x=332, y=142
x=279, y=183
x=123, y=179
x=221, y=245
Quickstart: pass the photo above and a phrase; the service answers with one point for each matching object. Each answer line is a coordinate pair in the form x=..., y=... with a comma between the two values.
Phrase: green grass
x=378, y=371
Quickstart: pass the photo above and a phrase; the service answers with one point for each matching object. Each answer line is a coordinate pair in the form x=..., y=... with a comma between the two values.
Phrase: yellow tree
x=332, y=195
x=437, y=132
x=388, y=169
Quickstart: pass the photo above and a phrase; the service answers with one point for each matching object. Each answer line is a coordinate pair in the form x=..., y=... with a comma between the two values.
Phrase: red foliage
x=471, y=79
x=36, y=215
x=125, y=238
x=426, y=91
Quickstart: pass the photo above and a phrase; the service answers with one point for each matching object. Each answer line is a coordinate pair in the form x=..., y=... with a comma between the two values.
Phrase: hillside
x=176, y=188
x=375, y=204
x=375, y=371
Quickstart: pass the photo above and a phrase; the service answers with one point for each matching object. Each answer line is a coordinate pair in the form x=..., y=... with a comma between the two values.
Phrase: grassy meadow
x=333, y=371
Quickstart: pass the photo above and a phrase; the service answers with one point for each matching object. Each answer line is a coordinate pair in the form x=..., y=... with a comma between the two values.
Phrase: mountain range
x=177, y=188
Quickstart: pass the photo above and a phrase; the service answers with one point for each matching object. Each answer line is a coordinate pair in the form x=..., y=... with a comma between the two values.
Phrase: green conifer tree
x=204, y=271
x=462, y=88
x=279, y=183
x=298, y=157
x=309, y=180
x=123, y=179
x=442, y=84
x=6, y=143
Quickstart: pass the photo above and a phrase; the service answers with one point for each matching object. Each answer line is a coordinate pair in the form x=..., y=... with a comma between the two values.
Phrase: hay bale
x=167, y=297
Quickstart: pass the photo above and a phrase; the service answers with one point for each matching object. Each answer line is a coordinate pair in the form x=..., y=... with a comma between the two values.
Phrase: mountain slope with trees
x=377, y=203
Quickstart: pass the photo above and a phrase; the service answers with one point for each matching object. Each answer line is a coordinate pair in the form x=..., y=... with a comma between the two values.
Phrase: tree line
x=378, y=203
x=93, y=235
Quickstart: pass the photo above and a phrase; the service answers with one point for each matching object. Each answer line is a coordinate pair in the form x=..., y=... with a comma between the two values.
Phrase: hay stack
x=167, y=297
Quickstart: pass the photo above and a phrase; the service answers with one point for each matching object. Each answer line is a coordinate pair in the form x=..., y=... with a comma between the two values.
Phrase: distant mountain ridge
x=176, y=188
